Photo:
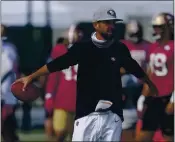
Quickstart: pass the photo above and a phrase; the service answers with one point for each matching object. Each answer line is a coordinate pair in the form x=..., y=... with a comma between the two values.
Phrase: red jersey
x=139, y=52
x=161, y=61
x=63, y=84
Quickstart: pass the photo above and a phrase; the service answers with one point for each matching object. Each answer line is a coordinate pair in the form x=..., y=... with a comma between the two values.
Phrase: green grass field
x=33, y=136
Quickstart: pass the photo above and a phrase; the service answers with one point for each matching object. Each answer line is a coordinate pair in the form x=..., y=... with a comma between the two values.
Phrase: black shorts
x=131, y=95
x=155, y=116
x=8, y=130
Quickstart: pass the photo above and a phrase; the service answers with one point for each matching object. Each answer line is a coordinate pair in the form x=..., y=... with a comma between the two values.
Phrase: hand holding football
x=31, y=92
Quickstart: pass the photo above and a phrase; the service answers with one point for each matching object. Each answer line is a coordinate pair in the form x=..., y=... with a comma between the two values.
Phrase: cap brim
x=118, y=21
x=112, y=19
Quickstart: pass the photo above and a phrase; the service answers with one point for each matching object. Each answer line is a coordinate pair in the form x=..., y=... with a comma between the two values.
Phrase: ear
x=96, y=25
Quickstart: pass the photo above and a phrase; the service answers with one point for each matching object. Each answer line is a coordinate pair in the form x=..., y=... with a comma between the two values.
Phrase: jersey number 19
x=158, y=64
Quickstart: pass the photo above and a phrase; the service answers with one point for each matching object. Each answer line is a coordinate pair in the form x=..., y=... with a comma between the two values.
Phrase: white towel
x=103, y=104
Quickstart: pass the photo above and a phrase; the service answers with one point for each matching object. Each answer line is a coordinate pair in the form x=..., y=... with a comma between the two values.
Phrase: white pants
x=130, y=118
x=98, y=126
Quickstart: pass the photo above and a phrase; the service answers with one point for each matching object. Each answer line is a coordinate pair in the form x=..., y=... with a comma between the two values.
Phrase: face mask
x=159, y=35
x=156, y=36
x=134, y=39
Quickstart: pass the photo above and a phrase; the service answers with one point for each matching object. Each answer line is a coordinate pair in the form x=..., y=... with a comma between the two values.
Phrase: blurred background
x=34, y=26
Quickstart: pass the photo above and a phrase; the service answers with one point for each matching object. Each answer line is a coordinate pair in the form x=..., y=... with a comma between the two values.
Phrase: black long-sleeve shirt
x=98, y=74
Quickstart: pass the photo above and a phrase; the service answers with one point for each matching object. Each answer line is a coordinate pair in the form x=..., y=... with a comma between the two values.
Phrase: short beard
x=107, y=36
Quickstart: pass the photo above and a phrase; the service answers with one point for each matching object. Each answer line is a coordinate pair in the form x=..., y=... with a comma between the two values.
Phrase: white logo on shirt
x=167, y=47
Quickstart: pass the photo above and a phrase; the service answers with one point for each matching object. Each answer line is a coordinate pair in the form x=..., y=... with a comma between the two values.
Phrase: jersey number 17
x=69, y=75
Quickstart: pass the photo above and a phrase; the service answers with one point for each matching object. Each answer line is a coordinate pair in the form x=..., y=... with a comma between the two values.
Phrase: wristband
x=140, y=103
x=48, y=96
x=172, y=98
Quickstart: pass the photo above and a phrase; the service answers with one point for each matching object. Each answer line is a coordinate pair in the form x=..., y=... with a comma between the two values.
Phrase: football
x=31, y=93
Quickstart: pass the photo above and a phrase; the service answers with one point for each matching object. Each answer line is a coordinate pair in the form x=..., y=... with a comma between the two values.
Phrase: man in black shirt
x=99, y=93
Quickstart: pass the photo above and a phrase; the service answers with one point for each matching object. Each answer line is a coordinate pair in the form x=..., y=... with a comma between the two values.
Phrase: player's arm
x=52, y=79
x=172, y=98
x=70, y=58
x=145, y=90
x=52, y=83
x=9, y=101
x=170, y=105
x=131, y=66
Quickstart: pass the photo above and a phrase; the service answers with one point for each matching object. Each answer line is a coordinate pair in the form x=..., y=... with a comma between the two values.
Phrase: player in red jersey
x=132, y=86
x=51, y=85
x=139, y=49
x=59, y=100
x=158, y=113
x=136, y=44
